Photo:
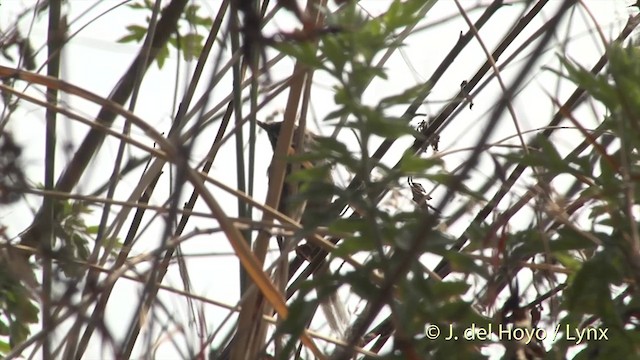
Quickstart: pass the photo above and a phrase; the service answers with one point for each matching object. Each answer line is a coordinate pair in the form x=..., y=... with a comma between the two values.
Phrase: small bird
x=317, y=209
x=317, y=202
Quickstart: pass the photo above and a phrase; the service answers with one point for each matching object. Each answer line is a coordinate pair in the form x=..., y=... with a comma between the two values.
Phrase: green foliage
x=189, y=44
x=72, y=236
x=596, y=289
x=19, y=310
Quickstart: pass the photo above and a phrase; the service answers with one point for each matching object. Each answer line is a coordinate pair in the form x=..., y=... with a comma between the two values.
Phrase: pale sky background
x=94, y=61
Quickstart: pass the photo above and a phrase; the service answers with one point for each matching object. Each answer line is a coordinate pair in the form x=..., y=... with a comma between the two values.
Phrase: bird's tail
x=333, y=309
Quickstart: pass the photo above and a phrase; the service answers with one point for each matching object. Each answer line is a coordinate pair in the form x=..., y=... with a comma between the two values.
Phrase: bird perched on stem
x=314, y=209
x=314, y=190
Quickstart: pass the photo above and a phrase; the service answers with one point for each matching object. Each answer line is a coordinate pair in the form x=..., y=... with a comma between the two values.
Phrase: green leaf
x=128, y=38
x=461, y=262
x=136, y=6
x=299, y=312
x=191, y=46
x=406, y=97
x=329, y=145
x=348, y=225
x=568, y=261
x=136, y=33
x=598, y=86
x=341, y=111
x=530, y=242
x=5, y=348
x=449, y=180
x=312, y=174
x=448, y=289
x=335, y=53
x=549, y=152
x=411, y=164
x=190, y=13
x=377, y=124
x=589, y=291
x=361, y=284
x=303, y=51
x=163, y=54
x=625, y=69
x=570, y=239
x=608, y=179
x=546, y=157
x=353, y=245
x=342, y=97
x=402, y=13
